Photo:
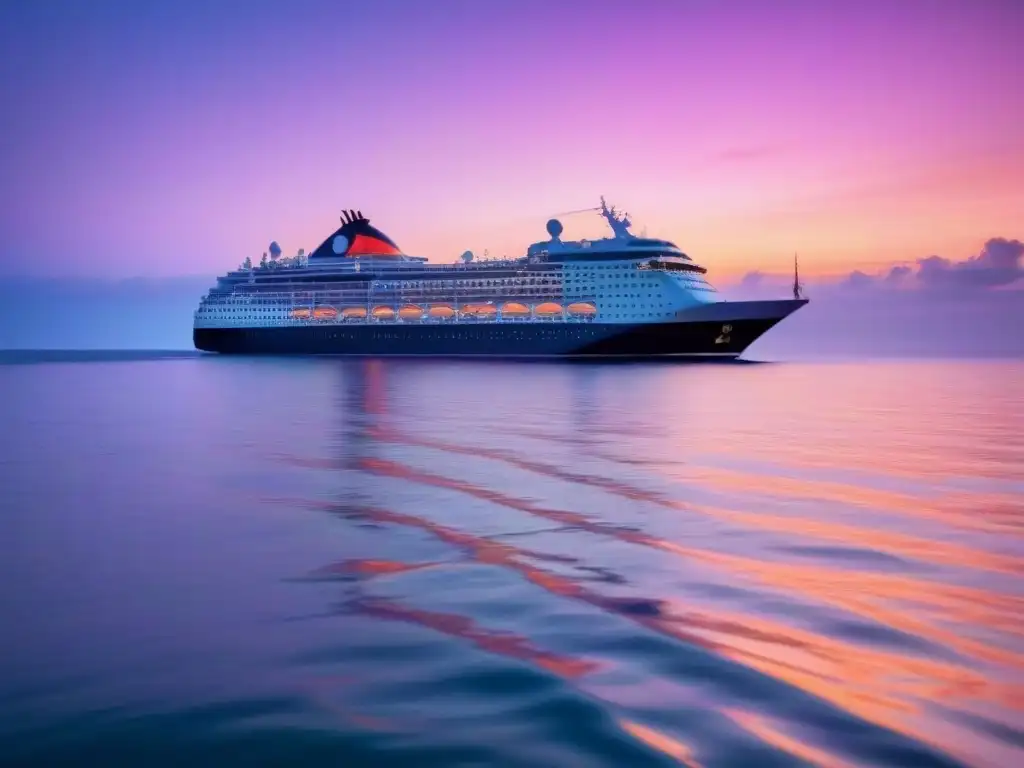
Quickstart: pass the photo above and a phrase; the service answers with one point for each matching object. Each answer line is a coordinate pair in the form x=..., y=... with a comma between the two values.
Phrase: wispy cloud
x=999, y=264
x=741, y=154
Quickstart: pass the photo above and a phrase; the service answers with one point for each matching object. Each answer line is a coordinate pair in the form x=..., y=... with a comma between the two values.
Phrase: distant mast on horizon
x=797, y=288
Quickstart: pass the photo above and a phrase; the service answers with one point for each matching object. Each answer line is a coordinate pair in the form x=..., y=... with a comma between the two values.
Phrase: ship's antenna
x=620, y=224
x=573, y=213
x=796, y=277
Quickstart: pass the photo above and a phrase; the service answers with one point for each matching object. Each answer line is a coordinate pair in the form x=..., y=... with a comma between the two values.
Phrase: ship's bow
x=732, y=326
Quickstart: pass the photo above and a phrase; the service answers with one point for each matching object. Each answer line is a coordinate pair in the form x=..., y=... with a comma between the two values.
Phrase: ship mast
x=797, y=288
x=620, y=225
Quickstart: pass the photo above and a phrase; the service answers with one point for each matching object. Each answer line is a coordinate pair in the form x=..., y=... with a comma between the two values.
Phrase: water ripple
x=419, y=563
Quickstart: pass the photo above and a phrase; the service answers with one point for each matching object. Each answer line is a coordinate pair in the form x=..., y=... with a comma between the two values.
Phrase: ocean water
x=214, y=561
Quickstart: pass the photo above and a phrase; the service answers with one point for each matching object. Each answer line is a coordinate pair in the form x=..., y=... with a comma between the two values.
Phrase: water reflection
x=822, y=621
x=525, y=565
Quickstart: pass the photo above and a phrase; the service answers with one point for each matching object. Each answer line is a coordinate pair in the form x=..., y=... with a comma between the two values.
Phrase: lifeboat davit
x=584, y=308
x=302, y=313
x=480, y=310
x=325, y=313
x=383, y=313
x=348, y=312
x=441, y=310
x=548, y=308
x=514, y=309
x=410, y=312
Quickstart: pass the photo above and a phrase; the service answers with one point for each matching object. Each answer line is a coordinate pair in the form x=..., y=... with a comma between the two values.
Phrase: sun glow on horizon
x=183, y=148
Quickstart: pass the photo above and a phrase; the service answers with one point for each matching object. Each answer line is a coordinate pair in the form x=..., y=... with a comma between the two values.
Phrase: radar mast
x=620, y=224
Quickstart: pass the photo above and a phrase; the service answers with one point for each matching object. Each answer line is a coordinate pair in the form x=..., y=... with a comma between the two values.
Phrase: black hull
x=723, y=337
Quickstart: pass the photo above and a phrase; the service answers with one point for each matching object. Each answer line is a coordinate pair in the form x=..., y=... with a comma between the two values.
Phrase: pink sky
x=165, y=139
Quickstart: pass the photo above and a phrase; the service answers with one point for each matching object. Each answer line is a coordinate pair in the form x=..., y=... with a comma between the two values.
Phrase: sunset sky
x=176, y=138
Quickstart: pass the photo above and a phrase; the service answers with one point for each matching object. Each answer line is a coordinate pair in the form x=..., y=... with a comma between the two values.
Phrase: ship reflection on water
x=692, y=606
x=360, y=562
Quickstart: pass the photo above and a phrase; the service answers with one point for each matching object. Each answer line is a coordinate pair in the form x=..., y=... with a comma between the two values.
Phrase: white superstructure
x=358, y=276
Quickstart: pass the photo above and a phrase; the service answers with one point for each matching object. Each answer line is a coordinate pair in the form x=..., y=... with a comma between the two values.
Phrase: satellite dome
x=275, y=250
x=554, y=228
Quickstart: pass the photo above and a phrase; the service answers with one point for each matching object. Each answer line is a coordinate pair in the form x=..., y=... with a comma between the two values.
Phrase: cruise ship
x=358, y=293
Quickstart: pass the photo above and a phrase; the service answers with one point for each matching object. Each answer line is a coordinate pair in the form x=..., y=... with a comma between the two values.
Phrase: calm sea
x=212, y=561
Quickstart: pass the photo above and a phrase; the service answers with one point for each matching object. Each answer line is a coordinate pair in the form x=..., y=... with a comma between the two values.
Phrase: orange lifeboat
x=547, y=309
x=350, y=312
x=410, y=312
x=383, y=313
x=442, y=310
x=325, y=313
x=302, y=313
x=582, y=308
x=514, y=309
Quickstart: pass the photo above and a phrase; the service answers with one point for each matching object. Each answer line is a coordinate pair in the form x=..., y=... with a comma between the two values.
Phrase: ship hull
x=721, y=330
